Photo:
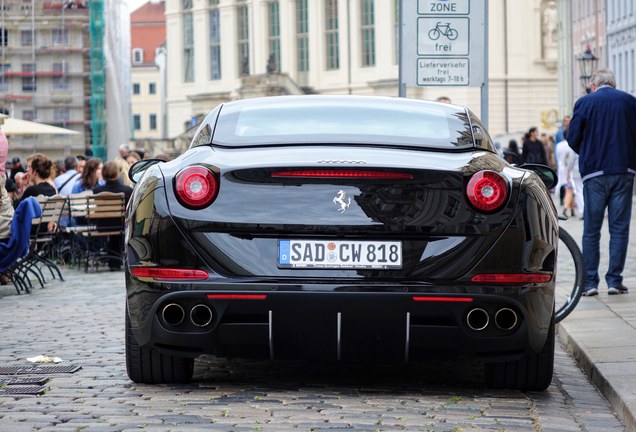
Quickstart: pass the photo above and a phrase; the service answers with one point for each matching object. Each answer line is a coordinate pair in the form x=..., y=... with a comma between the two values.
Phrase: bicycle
x=568, y=287
x=443, y=30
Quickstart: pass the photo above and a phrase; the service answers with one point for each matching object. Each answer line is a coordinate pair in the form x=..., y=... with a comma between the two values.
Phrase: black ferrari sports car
x=341, y=228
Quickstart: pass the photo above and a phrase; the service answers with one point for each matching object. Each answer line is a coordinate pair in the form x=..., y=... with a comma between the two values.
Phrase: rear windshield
x=384, y=121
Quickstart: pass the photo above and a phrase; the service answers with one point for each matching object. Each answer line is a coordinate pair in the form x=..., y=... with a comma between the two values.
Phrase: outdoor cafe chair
x=14, y=251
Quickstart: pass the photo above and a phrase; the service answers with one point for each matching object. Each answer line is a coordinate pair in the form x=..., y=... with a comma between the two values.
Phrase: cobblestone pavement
x=81, y=320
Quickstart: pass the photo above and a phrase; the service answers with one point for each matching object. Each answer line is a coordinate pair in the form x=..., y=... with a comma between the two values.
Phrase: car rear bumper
x=340, y=325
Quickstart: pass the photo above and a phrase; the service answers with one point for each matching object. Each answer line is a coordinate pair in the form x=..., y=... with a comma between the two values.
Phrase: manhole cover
x=23, y=370
x=25, y=380
x=23, y=390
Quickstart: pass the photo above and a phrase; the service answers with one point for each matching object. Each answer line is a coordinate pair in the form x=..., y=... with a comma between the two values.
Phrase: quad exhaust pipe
x=174, y=314
x=505, y=319
x=477, y=319
x=201, y=315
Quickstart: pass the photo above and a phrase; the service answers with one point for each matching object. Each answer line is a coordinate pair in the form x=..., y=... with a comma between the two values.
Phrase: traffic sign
x=442, y=43
x=435, y=37
x=446, y=7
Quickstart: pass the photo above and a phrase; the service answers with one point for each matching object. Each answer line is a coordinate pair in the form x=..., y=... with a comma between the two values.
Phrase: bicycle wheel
x=569, y=275
x=434, y=34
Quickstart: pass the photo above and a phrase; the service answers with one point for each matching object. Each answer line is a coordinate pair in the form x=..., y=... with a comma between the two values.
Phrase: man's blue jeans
x=613, y=192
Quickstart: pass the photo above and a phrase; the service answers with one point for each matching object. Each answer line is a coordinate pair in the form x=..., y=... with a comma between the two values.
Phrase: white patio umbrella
x=12, y=127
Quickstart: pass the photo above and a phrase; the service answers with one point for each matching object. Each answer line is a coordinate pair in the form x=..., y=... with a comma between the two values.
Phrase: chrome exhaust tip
x=506, y=319
x=201, y=315
x=173, y=314
x=477, y=319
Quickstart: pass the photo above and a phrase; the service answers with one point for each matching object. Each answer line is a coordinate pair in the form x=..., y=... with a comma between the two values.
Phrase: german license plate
x=339, y=254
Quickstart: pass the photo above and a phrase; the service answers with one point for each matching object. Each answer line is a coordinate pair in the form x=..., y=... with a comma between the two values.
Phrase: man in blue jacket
x=603, y=133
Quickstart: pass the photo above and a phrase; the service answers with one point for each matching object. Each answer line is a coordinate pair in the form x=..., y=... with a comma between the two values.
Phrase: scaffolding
x=44, y=44
x=44, y=70
x=98, y=79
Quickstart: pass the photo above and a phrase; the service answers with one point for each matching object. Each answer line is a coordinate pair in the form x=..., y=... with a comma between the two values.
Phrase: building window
x=60, y=77
x=138, y=56
x=26, y=37
x=302, y=35
x=273, y=40
x=153, y=121
x=136, y=121
x=152, y=88
x=61, y=115
x=3, y=36
x=4, y=81
x=59, y=36
x=28, y=114
x=215, y=45
x=243, y=39
x=331, y=34
x=29, y=82
x=367, y=30
x=188, y=42
x=136, y=88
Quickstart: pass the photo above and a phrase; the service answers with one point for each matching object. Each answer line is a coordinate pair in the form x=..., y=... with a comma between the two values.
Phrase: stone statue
x=549, y=29
x=271, y=67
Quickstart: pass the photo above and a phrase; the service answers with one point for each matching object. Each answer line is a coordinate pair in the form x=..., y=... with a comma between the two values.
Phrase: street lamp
x=587, y=66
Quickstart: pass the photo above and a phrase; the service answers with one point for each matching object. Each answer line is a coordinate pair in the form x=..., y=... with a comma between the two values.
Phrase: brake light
x=343, y=173
x=512, y=278
x=437, y=299
x=168, y=273
x=237, y=296
x=487, y=191
x=196, y=187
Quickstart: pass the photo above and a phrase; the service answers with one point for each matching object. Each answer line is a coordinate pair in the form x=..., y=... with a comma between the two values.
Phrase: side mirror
x=547, y=175
x=139, y=168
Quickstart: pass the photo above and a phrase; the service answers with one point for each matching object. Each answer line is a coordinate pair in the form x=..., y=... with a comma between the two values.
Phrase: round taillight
x=196, y=187
x=487, y=191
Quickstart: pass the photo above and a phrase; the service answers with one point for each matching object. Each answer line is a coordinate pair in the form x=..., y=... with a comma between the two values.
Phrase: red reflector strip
x=443, y=299
x=165, y=273
x=508, y=278
x=323, y=173
x=236, y=296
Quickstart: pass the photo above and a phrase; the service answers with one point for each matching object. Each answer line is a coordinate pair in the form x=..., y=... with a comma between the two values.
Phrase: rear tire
x=533, y=372
x=148, y=366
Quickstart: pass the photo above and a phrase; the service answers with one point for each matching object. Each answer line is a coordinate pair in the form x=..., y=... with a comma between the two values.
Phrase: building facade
x=221, y=50
x=621, y=43
x=44, y=71
x=588, y=32
x=148, y=37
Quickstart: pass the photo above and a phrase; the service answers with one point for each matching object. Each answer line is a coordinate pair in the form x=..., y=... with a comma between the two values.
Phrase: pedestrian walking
x=565, y=186
x=577, y=183
x=533, y=150
x=560, y=134
x=511, y=154
x=603, y=133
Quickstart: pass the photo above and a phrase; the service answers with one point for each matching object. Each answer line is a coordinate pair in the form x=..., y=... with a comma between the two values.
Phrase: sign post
x=443, y=43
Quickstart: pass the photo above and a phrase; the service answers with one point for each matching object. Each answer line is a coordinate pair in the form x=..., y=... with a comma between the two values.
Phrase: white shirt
x=62, y=178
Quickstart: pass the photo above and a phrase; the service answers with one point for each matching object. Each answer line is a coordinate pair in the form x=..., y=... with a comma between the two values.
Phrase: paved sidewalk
x=601, y=332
